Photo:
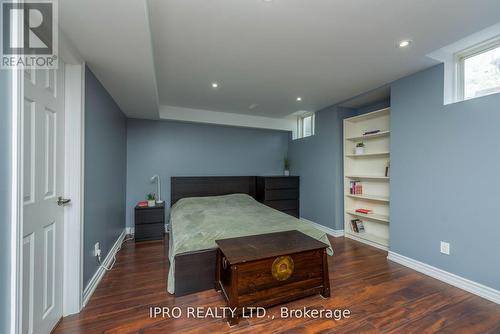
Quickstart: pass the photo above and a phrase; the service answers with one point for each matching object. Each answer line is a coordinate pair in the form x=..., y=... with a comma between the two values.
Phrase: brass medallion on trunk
x=282, y=268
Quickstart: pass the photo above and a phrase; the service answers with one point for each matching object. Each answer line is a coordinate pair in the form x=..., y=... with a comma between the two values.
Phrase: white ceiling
x=113, y=37
x=260, y=53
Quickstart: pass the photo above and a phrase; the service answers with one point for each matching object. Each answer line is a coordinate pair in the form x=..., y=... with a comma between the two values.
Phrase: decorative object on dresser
x=149, y=222
x=269, y=269
x=280, y=193
x=286, y=167
x=156, y=179
x=151, y=200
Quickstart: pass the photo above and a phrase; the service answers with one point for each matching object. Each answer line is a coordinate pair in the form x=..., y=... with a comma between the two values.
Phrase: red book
x=365, y=211
x=142, y=204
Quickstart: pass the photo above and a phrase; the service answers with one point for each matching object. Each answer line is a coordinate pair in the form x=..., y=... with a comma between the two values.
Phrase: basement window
x=478, y=71
x=305, y=125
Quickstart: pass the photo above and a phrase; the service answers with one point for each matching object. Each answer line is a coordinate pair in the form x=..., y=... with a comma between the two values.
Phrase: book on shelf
x=355, y=188
x=361, y=226
x=354, y=226
x=357, y=226
x=372, y=132
x=364, y=211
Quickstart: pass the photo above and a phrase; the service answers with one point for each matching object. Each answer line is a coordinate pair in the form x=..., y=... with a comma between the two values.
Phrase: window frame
x=460, y=58
x=300, y=124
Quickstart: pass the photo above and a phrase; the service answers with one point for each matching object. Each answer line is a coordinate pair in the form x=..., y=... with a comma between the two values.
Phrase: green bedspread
x=196, y=222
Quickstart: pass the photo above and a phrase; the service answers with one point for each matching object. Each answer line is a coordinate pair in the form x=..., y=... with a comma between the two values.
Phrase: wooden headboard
x=201, y=186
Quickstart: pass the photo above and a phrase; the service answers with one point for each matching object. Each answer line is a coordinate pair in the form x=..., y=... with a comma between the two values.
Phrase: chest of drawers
x=280, y=192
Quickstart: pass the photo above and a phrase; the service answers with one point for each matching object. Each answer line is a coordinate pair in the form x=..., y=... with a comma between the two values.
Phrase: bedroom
x=373, y=135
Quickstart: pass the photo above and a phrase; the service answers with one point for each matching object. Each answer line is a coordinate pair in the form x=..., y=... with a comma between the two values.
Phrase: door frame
x=74, y=74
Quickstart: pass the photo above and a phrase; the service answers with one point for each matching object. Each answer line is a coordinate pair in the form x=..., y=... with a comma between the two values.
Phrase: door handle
x=62, y=201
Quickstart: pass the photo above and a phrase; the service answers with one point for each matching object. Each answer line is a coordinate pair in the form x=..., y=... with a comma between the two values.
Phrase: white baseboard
x=131, y=230
x=90, y=288
x=368, y=242
x=327, y=230
x=447, y=277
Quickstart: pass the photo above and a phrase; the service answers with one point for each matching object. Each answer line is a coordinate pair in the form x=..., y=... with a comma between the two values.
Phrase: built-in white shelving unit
x=369, y=169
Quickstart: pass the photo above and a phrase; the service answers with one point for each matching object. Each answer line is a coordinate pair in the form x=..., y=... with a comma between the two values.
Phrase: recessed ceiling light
x=404, y=44
x=253, y=106
x=299, y=99
x=215, y=85
x=267, y=0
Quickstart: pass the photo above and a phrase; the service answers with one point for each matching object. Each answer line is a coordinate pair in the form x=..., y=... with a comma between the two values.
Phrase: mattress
x=196, y=222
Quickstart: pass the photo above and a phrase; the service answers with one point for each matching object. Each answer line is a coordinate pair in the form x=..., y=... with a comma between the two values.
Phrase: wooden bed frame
x=195, y=271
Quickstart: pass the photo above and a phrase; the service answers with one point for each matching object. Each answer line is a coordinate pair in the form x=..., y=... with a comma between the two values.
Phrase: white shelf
x=368, y=155
x=370, y=238
x=368, y=177
x=375, y=135
x=371, y=216
x=370, y=198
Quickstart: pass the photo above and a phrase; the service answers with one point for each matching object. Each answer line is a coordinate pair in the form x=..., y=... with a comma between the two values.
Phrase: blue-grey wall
x=105, y=172
x=319, y=162
x=184, y=149
x=444, y=177
x=5, y=181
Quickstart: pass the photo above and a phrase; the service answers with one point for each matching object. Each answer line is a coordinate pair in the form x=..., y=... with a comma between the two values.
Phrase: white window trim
x=459, y=63
x=300, y=128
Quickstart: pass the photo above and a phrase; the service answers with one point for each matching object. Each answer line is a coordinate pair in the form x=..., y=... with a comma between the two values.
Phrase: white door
x=43, y=177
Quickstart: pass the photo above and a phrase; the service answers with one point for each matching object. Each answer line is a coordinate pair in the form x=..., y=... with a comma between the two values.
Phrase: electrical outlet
x=97, y=249
x=445, y=248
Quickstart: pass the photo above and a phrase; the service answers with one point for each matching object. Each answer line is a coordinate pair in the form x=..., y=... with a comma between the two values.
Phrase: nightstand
x=150, y=222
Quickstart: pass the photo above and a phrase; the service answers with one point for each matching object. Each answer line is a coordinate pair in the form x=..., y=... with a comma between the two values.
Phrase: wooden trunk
x=270, y=269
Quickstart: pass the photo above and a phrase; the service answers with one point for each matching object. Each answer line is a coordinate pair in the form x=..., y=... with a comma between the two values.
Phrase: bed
x=205, y=209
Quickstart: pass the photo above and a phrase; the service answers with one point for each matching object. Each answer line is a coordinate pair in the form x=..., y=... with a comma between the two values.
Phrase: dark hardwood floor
x=383, y=297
